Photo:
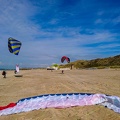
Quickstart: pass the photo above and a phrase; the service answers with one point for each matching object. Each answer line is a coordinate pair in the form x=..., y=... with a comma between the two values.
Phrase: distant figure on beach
x=62, y=71
x=4, y=74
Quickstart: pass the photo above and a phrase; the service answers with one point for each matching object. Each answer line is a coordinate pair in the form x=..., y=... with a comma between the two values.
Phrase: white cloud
x=98, y=21
x=39, y=44
x=116, y=20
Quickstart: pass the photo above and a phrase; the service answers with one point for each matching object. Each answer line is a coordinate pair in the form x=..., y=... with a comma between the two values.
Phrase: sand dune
x=37, y=82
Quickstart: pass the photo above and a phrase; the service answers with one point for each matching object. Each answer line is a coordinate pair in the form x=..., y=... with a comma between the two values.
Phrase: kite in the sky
x=14, y=45
x=63, y=100
x=65, y=58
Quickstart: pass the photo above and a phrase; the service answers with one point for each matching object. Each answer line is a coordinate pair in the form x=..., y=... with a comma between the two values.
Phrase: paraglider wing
x=61, y=100
x=65, y=58
x=14, y=45
x=68, y=59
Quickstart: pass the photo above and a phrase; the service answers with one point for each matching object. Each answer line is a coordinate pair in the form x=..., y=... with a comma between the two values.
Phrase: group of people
x=4, y=73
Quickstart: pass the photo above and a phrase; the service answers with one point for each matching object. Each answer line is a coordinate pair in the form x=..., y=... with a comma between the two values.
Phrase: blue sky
x=49, y=29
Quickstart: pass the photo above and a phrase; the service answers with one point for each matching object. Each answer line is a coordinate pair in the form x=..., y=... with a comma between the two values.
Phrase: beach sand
x=36, y=82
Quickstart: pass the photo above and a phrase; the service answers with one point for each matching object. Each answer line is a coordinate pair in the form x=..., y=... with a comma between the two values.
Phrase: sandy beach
x=37, y=82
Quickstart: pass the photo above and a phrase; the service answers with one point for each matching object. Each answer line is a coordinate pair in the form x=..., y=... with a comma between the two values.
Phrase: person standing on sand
x=4, y=74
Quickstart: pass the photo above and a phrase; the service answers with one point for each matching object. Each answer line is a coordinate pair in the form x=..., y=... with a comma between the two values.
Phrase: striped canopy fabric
x=64, y=100
x=14, y=45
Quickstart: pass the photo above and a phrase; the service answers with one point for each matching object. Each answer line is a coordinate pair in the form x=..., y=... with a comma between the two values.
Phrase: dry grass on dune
x=36, y=82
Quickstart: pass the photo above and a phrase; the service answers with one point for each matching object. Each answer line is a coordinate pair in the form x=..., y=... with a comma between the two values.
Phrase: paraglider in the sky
x=65, y=58
x=14, y=45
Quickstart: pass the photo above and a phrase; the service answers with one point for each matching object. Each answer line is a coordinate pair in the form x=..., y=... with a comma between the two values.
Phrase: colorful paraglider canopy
x=65, y=58
x=61, y=100
x=14, y=45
